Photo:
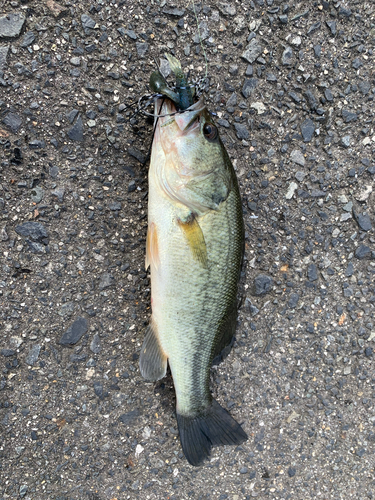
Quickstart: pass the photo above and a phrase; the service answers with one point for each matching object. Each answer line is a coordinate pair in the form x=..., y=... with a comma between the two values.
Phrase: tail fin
x=213, y=427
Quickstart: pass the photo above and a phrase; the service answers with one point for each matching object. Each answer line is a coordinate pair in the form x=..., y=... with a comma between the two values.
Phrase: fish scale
x=194, y=249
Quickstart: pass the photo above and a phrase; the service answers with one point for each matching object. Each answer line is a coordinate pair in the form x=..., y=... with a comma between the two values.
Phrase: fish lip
x=165, y=106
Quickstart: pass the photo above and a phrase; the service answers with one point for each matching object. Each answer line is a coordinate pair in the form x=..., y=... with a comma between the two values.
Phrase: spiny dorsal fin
x=195, y=238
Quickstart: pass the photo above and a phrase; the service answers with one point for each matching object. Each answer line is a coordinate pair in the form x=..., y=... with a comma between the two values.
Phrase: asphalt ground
x=293, y=89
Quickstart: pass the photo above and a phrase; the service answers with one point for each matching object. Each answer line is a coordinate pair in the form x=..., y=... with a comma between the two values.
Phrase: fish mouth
x=164, y=107
x=187, y=120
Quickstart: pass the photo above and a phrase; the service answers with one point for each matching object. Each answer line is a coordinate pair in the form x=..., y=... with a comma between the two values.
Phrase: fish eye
x=210, y=131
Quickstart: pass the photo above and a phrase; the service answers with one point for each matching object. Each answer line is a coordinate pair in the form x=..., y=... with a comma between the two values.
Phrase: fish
x=194, y=249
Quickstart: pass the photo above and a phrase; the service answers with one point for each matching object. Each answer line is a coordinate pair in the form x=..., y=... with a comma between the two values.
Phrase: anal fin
x=152, y=360
x=195, y=238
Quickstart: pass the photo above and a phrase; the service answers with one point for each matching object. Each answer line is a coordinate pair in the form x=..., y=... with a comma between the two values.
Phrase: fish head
x=194, y=169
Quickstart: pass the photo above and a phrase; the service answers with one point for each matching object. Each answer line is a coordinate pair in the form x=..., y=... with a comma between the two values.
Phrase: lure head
x=158, y=82
x=159, y=85
x=182, y=95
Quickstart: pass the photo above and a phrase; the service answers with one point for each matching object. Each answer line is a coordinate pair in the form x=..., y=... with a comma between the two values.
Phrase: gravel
x=292, y=86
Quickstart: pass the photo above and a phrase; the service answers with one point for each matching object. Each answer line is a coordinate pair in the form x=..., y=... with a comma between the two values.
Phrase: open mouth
x=164, y=107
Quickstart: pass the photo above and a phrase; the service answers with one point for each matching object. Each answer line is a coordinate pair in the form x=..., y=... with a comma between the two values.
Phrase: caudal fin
x=213, y=427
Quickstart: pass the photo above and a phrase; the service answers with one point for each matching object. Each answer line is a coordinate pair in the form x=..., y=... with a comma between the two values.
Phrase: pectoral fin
x=195, y=238
x=152, y=360
x=152, y=247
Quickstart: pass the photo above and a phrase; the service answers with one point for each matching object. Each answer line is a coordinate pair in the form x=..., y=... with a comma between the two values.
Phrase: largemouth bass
x=194, y=249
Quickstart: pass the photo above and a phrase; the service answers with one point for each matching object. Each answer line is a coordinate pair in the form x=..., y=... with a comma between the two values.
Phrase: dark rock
x=362, y=252
x=312, y=272
x=4, y=50
x=349, y=270
x=115, y=206
x=127, y=418
x=262, y=284
x=33, y=355
x=87, y=22
x=328, y=95
x=307, y=130
x=131, y=34
x=332, y=26
x=7, y=352
x=344, y=11
x=223, y=123
x=253, y=51
x=314, y=27
x=142, y=48
x=54, y=171
x=297, y=156
x=106, y=280
x=34, y=230
x=241, y=131
x=295, y=97
x=137, y=154
x=37, y=194
x=357, y=63
x=287, y=57
x=369, y=352
x=292, y=471
x=95, y=345
x=13, y=122
x=75, y=332
x=232, y=101
x=71, y=115
x=99, y=390
x=36, y=144
x=23, y=490
x=293, y=301
x=66, y=310
x=35, y=247
x=132, y=187
x=283, y=18
x=77, y=358
x=249, y=86
x=252, y=309
x=249, y=70
x=75, y=133
x=363, y=221
x=311, y=99
x=11, y=25
x=173, y=11
x=345, y=141
x=227, y=9
x=317, y=51
x=59, y=193
x=270, y=77
x=364, y=87
x=348, y=116
x=28, y=39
